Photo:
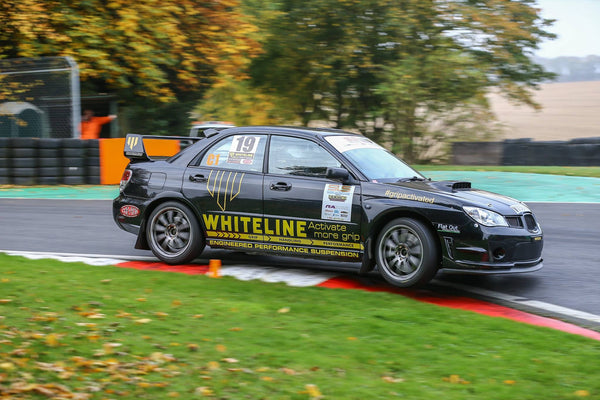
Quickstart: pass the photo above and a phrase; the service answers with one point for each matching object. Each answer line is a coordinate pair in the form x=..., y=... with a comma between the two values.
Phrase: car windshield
x=375, y=162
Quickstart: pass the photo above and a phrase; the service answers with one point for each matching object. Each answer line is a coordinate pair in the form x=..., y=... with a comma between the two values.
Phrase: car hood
x=454, y=192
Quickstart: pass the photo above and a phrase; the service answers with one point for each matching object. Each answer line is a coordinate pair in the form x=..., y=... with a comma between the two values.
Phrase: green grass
x=77, y=331
x=593, y=172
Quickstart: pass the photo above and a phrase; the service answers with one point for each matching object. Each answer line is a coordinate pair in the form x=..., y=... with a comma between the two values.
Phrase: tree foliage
x=158, y=51
x=385, y=66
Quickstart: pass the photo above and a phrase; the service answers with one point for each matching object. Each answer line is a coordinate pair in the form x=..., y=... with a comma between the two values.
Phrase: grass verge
x=592, y=172
x=84, y=332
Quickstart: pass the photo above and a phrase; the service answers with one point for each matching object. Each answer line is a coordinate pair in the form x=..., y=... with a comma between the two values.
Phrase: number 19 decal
x=243, y=149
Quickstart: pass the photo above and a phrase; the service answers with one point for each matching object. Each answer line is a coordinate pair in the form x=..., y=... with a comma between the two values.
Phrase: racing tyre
x=407, y=253
x=174, y=234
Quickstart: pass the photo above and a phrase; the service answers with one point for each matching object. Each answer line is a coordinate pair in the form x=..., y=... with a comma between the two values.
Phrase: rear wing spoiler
x=135, y=150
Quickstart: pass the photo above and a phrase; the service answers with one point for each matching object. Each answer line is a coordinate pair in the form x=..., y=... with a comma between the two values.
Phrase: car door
x=226, y=188
x=306, y=213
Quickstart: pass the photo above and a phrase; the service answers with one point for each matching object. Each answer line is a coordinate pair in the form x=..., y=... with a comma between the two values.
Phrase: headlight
x=485, y=217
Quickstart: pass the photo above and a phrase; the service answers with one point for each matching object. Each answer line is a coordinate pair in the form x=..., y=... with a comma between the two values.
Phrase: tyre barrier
x=574, y=153
x=44, y=161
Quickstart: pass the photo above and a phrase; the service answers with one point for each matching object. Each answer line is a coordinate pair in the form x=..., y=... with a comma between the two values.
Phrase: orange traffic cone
x=213, y=268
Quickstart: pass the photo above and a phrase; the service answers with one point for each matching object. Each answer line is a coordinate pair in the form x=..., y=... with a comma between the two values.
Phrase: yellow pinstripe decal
x=214, y=186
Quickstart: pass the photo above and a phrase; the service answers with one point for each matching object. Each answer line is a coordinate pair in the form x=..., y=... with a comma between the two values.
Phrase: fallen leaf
x=86, y=324
x=109, y=347
x=456, y=379
x=288, y=371
x=313, y=391
x=204, y=391
x=142, y=321
x=221, y=348
x=123, y=314
x=7, y=366
x=390, y=379
x=52, y=339
x=230, y=360
x=582, y=393
x=283, y=310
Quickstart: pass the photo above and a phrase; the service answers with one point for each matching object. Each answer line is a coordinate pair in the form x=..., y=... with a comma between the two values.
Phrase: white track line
x=535, y=304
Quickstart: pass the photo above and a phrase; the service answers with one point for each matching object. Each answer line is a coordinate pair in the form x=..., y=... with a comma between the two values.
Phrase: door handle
x=283, y=186
x=198, y=178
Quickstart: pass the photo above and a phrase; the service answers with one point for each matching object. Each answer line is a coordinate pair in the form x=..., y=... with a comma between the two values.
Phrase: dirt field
x=570, y=110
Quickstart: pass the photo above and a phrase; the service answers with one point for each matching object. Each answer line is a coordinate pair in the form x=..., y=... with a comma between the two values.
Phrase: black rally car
x=318, y=193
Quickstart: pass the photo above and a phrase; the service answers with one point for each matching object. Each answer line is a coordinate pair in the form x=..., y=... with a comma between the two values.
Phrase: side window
x=294, y=156
x=239, y=152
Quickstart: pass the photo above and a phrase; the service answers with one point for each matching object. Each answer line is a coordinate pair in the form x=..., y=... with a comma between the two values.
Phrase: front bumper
x=497, y=250
x=478, y=269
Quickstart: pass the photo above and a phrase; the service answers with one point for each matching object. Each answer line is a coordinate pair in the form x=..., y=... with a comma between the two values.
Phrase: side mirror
x=339, y=174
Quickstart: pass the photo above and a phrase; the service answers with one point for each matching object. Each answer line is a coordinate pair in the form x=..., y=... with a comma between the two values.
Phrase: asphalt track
x=566, y=287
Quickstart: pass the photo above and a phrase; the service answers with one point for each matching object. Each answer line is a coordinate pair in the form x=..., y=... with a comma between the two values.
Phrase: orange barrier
x=113, y=162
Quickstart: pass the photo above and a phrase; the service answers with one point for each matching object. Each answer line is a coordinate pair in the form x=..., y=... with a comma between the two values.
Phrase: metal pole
x=75, y=98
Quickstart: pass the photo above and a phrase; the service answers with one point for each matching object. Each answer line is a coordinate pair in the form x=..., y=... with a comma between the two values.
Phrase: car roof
x=292, y=130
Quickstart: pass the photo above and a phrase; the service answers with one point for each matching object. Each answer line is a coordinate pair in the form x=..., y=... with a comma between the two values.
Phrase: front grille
x=530, y=222
x=514, y=222
x=528, y=251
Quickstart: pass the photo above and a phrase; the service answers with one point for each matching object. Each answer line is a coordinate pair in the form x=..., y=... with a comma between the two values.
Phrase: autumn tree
x=386, y=67
x=154, y=54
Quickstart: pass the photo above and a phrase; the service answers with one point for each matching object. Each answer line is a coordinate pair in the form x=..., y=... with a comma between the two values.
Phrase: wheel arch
x=142, y=240
x=384, y=218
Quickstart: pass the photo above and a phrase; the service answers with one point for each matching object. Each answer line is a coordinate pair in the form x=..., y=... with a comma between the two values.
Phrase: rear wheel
x=174, y=234
x=407, y=253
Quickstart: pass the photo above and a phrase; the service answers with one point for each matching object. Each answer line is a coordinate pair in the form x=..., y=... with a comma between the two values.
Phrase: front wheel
x=407, y=253
x=174, y=234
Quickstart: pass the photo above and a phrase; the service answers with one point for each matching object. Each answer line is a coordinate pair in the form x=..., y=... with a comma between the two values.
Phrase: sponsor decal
x=291, y=250
x=293, y=236
x=224, y=186
x=132, y=141
x=408, y=196
x=130, y=211
x=337, y=202
x=347, y=143
x=243, y=149
x=448, y=228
